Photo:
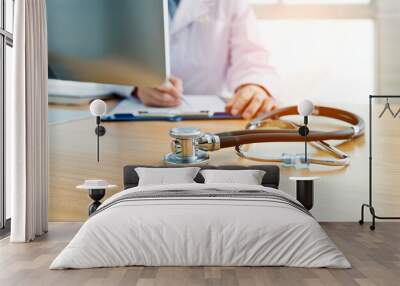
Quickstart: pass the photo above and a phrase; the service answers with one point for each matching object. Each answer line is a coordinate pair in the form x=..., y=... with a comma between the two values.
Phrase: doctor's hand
x=167, y=95
x=250, y=101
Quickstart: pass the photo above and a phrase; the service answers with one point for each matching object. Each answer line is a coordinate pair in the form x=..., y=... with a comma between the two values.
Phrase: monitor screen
x=106, y=41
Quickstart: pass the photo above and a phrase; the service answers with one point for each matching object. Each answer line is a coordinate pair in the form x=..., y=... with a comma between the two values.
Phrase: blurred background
x=341, y=50
x=331, y=51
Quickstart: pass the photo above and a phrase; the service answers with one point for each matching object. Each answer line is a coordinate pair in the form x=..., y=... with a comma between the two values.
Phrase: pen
x=185, y=100
x=168, y=84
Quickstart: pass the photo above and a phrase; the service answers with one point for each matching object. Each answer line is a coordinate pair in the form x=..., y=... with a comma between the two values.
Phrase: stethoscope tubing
x=251, y=135
x=278, y=159
x=269, y=136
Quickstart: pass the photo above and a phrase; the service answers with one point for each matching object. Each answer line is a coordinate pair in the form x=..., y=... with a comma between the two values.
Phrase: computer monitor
x=123, y=42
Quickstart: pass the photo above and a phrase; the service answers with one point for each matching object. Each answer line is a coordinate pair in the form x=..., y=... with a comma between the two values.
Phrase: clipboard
x=193, y=107
x=121, y=117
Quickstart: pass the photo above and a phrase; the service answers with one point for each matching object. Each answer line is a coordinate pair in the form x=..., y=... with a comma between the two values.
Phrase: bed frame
x=271, y=177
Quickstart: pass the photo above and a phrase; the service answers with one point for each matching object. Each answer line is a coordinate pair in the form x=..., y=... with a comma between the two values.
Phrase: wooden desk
x=73, y=159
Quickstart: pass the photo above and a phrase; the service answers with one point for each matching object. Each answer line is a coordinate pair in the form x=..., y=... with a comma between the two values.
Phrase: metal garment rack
x=370, y=203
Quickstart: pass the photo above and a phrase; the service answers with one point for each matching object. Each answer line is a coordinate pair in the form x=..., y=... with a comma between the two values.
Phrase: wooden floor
x=375, y=257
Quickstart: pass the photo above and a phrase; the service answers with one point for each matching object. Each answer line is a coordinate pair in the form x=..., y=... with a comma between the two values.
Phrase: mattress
x=201, y=225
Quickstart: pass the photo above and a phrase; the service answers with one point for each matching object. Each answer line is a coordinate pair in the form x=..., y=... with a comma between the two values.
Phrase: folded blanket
x=206, y=194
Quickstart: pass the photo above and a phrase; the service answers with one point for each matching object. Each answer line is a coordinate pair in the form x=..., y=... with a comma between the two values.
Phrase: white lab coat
x=214, y=47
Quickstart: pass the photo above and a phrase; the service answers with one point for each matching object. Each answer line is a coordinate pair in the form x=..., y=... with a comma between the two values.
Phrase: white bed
x=250, y=226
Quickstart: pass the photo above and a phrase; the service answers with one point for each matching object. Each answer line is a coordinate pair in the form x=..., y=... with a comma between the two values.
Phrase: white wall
x=328, y=61
x=389, y=46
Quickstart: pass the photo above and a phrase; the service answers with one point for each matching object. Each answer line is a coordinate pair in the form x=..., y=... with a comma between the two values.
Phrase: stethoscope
x=190, y=146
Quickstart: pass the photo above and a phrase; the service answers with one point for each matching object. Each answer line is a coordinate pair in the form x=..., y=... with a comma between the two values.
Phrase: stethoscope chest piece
x=184, y=147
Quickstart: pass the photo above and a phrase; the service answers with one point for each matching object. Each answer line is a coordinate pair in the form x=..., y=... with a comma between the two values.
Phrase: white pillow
x=166, y=176
x=246, y=177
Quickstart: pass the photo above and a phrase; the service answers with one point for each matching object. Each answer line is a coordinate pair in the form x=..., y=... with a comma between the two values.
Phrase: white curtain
x=26, y=135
